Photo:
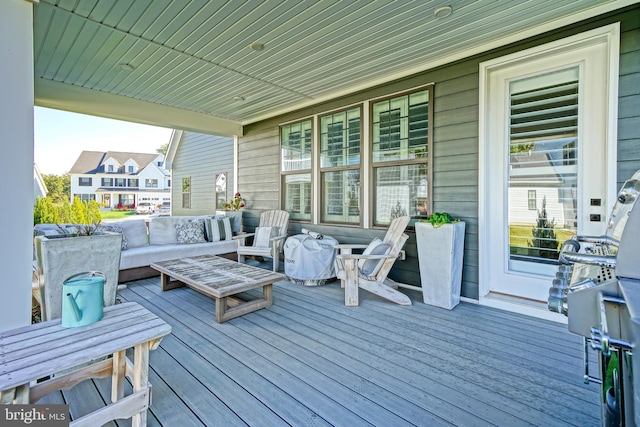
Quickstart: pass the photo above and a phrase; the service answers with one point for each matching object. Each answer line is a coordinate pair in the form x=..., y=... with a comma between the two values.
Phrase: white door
x=549, y=157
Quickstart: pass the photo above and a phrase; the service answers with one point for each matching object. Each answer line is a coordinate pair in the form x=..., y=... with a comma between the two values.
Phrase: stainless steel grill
x=598, y=287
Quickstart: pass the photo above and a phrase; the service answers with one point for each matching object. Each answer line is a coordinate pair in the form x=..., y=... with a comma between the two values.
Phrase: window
x=130, y=169
x=120, y=182
x=151, y=183
x=126, y=200
x=221, y=190
x=84, y=181
x=186, y=193
x=401, y=156
x=107, y=182
x=168, y=183
x=133, y=182
x=532, y=200
x=296, y=169
x=110, y=168
x=340, y=140
x=86, y=197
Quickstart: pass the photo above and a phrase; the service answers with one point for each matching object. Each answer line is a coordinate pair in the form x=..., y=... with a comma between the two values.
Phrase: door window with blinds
x=401, y=156
x=543, y=164
x=340, y=140
x=296, y=151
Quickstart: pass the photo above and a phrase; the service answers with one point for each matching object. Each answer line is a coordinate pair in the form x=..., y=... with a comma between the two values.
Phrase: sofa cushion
x=370, y=267
x=135, y=231
x=144, y=256
x=218, y=229
x=115, y=228
x=263, y=236
x=162, y=230
x=190, y=232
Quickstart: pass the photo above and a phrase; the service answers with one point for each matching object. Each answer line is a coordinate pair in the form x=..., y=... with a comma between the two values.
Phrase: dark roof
x=91, y=162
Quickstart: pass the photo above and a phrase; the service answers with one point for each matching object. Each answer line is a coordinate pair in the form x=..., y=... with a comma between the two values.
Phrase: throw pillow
x=370, y=267
x=218, y=229
x=115, y=229
x=263, y=236
x=190, y=232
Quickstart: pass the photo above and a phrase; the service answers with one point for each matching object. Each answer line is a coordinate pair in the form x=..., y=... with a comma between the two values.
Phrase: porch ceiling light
x=126, y=67
x=257, y=47
x=442, y=12
x=238, y=98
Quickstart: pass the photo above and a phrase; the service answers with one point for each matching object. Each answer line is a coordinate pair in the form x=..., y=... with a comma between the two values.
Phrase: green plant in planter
x=438, y=219
x=84, y=216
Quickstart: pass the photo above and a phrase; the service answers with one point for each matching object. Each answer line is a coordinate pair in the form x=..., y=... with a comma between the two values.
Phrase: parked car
x=145, y=208
x=165, y=209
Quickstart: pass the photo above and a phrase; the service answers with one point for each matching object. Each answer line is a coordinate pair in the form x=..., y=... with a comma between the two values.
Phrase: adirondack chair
x=369, y=270
x=271, y=246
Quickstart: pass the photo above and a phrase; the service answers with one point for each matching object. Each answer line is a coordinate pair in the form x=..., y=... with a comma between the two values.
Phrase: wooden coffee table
x=221, y=279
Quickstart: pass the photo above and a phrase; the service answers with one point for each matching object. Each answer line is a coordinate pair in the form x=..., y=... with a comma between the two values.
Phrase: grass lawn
x=117, y=214
x=520, y=235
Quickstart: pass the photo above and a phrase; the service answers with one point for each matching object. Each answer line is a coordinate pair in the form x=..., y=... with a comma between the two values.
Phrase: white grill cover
x=308, y=260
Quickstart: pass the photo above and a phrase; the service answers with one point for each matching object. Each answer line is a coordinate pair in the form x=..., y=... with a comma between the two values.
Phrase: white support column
x=16, y=173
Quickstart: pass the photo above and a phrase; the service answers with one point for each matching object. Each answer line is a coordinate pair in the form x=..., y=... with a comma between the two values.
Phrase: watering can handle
x=76, y=310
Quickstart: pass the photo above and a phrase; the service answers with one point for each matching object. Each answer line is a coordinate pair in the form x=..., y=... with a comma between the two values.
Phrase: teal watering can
x=82, y=299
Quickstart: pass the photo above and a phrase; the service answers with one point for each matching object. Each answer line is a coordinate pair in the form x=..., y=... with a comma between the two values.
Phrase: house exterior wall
x=455, y=144
x=139, y=192
x=201, y=157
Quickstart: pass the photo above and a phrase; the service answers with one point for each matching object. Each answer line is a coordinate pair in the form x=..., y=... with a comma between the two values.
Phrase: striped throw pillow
x=218, y=229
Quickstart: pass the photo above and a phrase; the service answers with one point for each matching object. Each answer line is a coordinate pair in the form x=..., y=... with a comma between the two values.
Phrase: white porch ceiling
x=191, y=58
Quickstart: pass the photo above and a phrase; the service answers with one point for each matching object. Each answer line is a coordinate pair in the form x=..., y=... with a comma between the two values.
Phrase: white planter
x=58, y=258
x=440, y=252
x=237, y=219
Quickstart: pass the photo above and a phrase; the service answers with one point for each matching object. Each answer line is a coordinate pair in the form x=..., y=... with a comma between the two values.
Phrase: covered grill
x=598, y=287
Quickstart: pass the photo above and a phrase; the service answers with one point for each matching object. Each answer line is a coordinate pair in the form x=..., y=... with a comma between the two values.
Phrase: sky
x=60, y=137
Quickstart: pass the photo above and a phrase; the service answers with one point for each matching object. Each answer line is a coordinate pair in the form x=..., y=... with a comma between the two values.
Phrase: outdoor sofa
x=165, y=238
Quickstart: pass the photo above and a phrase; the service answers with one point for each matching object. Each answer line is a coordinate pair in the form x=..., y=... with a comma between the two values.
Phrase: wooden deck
x=309, y=361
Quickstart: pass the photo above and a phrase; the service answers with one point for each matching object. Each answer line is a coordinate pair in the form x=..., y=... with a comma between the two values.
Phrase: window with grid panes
x=340, y=141
x=186, y=193
x=295, y=142
x=401, y=156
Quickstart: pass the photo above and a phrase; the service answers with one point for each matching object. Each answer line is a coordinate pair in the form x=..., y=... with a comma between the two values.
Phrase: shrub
x=84, y=215
x=545, y=242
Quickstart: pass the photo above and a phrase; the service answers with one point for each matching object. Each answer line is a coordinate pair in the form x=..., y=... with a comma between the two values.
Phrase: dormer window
x=109, y=168
x=130, y=169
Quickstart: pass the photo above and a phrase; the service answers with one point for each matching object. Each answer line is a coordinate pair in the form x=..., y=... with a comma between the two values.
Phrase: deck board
x=309, y=360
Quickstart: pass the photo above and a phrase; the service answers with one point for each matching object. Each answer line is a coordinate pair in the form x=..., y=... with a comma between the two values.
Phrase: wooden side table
x=47, y=349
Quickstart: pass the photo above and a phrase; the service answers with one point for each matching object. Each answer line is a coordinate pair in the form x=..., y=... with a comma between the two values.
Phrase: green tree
x=44, y=211
x=545, y=242
x=58, y=187
x=163, y=149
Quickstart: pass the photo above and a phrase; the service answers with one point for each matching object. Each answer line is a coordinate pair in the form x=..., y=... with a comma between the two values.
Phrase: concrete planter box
x=59, y=257
x=440, y=252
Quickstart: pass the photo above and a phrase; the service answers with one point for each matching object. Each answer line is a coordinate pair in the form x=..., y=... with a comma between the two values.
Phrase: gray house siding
x=455, y=145
x=201, y=157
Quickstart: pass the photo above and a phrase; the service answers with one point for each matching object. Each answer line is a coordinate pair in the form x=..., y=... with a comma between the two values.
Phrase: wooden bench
x=71, y=355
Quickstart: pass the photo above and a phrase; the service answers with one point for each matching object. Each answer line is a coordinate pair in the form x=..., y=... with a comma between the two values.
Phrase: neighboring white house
x=120, y=179
x=39, y=187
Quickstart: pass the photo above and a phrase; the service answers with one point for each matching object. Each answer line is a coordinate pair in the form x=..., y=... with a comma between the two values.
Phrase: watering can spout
x=76, y=310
